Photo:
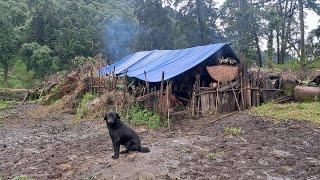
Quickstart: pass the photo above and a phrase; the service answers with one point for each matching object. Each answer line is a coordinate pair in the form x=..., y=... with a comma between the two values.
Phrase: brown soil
x=55, y=146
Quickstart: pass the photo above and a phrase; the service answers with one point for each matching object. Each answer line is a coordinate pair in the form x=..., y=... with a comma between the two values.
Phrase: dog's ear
x=117, y=116
x=106, y=116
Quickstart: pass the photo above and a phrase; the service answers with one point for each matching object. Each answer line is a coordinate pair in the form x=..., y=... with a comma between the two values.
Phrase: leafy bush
x=83, y=108
x=140, y=116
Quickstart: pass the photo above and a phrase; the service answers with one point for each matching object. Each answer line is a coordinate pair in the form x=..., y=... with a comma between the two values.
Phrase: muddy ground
x=55, y=146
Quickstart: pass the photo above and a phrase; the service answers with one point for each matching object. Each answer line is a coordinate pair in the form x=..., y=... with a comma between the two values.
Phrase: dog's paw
x=115, y=156
x=124, y=152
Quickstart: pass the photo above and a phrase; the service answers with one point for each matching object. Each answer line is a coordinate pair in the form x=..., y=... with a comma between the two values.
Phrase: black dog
x=121, y=134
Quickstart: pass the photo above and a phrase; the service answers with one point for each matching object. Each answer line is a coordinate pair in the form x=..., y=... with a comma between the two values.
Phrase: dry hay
x=110, y=101
x=223, y=73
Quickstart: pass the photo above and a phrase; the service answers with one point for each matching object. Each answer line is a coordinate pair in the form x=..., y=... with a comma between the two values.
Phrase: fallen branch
x=224, y=116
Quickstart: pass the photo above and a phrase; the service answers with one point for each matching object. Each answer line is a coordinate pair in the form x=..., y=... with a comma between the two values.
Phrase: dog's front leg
x=116, y=149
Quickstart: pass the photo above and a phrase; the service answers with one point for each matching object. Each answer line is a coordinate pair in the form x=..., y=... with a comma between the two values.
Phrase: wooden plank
x=205, y=104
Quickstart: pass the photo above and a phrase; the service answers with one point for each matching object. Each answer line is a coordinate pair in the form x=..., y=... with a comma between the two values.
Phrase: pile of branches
x=71, y=87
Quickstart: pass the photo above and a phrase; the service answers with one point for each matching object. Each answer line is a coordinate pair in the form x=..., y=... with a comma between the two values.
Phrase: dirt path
x=55, y=146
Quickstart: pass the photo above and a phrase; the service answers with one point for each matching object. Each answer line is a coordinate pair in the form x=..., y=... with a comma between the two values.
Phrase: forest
x=42, y=37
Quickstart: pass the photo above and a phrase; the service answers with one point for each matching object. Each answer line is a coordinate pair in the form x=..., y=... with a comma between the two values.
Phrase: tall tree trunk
x=200, y=22
x=302, y=44
x=278, y=47
x=256, y=39
x=5, y=73
x=270, y=48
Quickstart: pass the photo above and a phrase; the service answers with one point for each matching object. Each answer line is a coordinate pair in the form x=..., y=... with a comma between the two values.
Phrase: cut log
x=306, y=93
x=223, y=73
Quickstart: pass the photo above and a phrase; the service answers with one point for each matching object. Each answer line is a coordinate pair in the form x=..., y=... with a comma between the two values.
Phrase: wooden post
x=161, y=94
x=217, y=98
x=113, y=78
x=235, y=96
x=198, y=91
x=193, y=102
x=99, y=82
x=168, y=104
x=148, y=89
x=241, y=90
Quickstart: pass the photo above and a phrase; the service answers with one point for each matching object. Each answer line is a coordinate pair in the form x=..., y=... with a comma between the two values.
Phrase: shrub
x=140, y=116
x=83, y=109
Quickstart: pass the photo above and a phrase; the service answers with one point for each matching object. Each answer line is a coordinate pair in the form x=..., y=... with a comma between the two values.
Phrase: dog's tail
x=144, y=150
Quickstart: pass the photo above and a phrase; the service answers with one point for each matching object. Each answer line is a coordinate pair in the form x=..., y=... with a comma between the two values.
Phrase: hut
x=192, y=73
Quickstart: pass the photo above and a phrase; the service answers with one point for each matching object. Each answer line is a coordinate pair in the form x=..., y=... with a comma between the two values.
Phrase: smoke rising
x=120, y=37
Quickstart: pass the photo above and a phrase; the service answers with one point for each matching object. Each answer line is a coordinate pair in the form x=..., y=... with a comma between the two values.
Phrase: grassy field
x=19, y=77
x=308, y=111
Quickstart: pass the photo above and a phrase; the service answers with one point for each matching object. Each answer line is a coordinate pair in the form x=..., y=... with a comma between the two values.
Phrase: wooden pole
x=235, y=96
x=168, y=104
x=161, y=94
x=217, y=98
x=198, y=90
x=241, y=90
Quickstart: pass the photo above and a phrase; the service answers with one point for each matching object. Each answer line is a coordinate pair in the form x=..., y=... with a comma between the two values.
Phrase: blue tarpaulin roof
x=171, y=62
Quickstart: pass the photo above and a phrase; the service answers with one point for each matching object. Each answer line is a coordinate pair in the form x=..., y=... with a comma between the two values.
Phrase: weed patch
x=232, y=131
x=140, y=116
x=214, y=155
x=83, y=109
x=7, y=104
x=22, y=178
x=306, y=111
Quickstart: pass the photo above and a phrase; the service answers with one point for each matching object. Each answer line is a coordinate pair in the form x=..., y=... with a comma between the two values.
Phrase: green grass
x=215, y=155
x=22, y=178
x=307, y=111
x=7, y=104
x=232, y=131
x=19, y=76
x=139, y=116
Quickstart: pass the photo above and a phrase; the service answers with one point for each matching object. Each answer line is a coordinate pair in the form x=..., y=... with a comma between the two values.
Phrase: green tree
x=156, y=26
x=196, y=22
x=242, y=26
x=12, y=17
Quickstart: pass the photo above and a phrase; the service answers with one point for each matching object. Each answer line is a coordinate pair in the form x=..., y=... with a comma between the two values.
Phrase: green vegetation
x=215, y=155
x=7, y=104
x=139, y=116
x=295, y=65
x=307, y=111
x=22, y=178
x=83, y=108
x=232, y=131
x=19, y=77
